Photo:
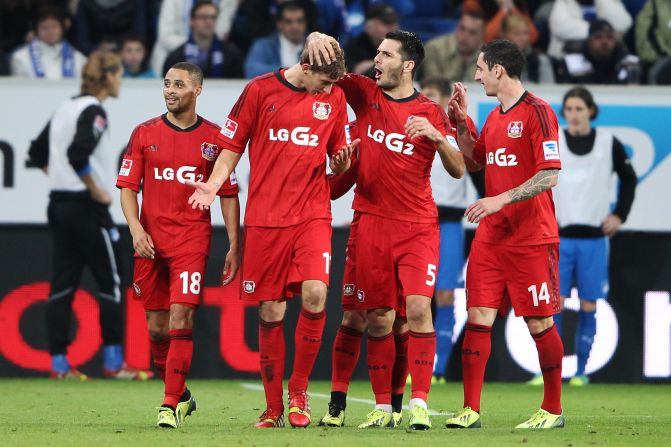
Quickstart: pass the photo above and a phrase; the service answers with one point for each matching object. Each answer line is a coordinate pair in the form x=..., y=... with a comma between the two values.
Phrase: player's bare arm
x=452, y=160
x=142, y=242
x=230, y=210
x=205, y=192
x=97, y=192
x=320, y=48
x=342, y=160
x=540, y=182
x=458, y=110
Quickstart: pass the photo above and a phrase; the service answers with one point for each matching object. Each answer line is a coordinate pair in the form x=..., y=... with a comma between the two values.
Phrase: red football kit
x=159, y=159
x=398, y=232
x=288, y=215
x=515, y=251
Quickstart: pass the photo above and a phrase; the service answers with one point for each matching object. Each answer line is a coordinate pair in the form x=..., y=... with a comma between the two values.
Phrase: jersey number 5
x=543, y=295
x=431, y=272
x=192, y=286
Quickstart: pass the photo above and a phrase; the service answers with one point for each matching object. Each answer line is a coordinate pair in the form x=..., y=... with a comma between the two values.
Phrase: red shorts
x=276, y=261
x=525, y=276
x=349, y=301
x=394, y=259
x=161, y=282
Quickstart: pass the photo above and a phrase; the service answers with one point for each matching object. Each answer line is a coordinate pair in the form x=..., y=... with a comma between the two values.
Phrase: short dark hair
x=50, y=12
x=411, y=47
x=442, y=84
x=506, y=54
x=195, y=72
x=133, y=37
x=477, y=15
x=289, y=6
x=584, y=94
x=199, y=4
x=335, y=70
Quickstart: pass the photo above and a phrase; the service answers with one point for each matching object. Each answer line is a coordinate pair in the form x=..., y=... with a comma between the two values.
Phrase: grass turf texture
x=102, y=412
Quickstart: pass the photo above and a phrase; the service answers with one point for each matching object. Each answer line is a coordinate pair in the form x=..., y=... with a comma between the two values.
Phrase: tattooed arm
x=540, y=182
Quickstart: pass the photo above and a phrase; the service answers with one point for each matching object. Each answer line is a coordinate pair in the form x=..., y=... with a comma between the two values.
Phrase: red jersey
x=341, y=184
x=513, y=146
x=159, y=159
x=394, y=178
x=290, y=132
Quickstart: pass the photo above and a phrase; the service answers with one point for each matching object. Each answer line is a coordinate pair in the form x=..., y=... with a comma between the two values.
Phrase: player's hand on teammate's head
x=320, y=48
x=231, y=267
x=203, y=196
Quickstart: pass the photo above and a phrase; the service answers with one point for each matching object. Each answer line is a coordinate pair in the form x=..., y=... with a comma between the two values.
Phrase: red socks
x=308, y=340
x=345, y=355
x=474, y=355
x=399, y=374
x=550, y=355
x=381, y=356
x=177, y=364
x=159, y=350
x=421, y=353
x=271, y=352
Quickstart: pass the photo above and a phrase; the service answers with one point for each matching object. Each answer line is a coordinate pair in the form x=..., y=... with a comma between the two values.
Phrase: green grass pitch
x=100, y=413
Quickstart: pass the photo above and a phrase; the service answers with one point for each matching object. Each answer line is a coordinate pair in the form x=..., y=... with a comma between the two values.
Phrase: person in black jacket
x=71, y=149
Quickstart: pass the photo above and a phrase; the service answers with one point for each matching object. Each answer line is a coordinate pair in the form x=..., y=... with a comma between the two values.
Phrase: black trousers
x=83, y=235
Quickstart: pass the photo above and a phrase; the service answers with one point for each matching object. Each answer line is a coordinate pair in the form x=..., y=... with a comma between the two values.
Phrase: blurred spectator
x=653, y=31
x=453, y=56
x=107, y=20
x=515, y=28
x=133, y=54
x=332, y=19
x=216, y=58
x=174, y=26
x=360, y=51
x=570, y=19
x=261, y=15
x=282, y=48
x=603, y=60
x=48, y=54
x=495, y=10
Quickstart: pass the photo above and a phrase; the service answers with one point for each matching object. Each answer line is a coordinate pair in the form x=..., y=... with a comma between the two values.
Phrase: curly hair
x=94, y=73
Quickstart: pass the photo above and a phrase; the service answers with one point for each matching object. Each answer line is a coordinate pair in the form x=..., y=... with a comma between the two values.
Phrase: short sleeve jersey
x=290, y=132
x=159, y=159
x=514, y=146
x=394, y=178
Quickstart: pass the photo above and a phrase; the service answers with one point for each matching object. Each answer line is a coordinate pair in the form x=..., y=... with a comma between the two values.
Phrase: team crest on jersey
x=321, y=110
x=137, y=289
x=209, y=151
x=348, y=289
x=126, y=165
x=229, y=129
x=360, y=295
x=248, y=286
x=515, y=129
x=152, y=148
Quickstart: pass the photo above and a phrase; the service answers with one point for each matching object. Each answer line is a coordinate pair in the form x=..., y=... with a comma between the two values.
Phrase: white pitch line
x=257, y=387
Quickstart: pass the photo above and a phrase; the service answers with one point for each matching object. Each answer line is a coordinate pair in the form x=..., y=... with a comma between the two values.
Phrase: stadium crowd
x=565, y=41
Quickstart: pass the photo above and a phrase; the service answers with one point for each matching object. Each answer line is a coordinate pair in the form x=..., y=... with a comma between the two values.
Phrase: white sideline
x=257, y=387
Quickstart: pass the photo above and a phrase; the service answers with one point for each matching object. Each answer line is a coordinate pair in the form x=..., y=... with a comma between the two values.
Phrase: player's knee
x=537, y=325
x=314, y=295
x=444, y=297
x=418, y=311
x=400, y=325
x=181, y=317
x=588, y=306
x=380, y=322
x=354, y=319
x=158, y=334
x=271, y=311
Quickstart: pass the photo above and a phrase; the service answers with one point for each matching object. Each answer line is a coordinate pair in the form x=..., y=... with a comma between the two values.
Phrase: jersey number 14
x=542, y=295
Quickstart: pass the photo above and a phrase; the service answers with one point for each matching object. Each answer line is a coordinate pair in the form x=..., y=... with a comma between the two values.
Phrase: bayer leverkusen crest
x=321, y=110
x=210, y=151
x=515, y=129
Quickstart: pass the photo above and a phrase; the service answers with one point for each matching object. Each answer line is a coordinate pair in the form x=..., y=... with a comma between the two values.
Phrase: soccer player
x=71, y=150
x=589, y=157
x=402, y=130
x=513, y=258
x=450, y=196
x=172, y=240
x=292, y=119
x=347, y=344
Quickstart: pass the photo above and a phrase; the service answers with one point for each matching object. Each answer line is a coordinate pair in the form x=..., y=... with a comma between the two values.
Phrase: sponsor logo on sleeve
x=126, y=166
x=321, y=110
x=229, y=129
x=248, y=286
x=452, y=141
x=233, y=178
x=209, y=151
x=99, y=124
x=515, y=129
x=551, y=150
x=348, y=289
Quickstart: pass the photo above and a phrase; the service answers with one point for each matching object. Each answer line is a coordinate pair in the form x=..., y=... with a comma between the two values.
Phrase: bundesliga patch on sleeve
x=126, y=165
x=452, y=141
x=229, y=129
x=551, y=150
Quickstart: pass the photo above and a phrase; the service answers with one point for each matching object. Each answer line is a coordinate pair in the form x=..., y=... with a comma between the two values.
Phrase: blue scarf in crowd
x=215, y=56
x=67, y=59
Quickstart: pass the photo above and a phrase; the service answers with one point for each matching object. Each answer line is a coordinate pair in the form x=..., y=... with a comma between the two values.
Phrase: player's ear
x=305, y=68
x=409, y=65
x=198, y=89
